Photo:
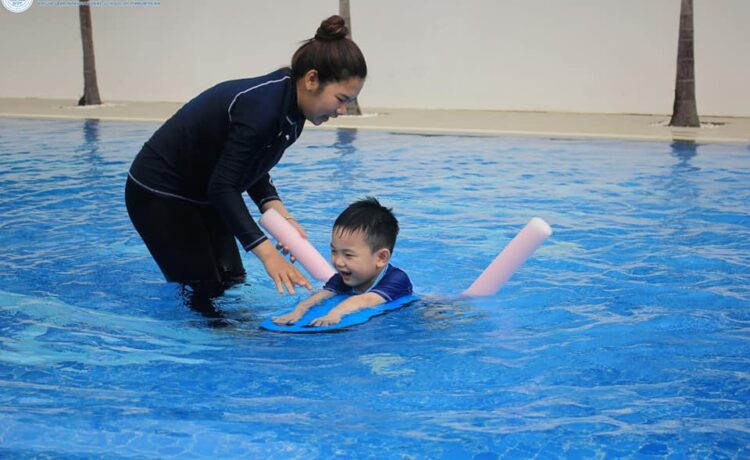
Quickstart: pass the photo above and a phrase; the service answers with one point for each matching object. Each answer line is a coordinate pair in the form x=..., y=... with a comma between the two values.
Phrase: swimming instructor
x=184, y=188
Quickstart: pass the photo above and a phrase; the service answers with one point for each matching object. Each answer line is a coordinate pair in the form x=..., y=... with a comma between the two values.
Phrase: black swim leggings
x=190, y=242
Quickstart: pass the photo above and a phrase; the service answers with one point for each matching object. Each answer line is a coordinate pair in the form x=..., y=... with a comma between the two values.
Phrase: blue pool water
x=626, y=335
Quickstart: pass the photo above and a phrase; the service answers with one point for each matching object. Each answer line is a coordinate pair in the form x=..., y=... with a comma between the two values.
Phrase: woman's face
x=319, y=102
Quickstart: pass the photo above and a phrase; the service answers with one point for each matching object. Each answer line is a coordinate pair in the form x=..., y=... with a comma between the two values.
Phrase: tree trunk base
x=352, y=108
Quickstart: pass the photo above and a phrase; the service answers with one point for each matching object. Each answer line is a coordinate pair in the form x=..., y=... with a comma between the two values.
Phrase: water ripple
x=626, y=335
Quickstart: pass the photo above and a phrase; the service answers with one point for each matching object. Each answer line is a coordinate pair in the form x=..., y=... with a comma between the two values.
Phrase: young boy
x=362, y=243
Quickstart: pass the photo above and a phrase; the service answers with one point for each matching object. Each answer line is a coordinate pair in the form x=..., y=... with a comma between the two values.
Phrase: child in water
x=362, y=243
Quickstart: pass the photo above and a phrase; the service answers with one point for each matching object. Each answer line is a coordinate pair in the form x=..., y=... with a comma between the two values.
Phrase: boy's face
x=353, y=259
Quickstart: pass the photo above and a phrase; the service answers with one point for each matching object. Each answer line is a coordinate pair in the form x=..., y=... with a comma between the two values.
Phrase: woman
x=184, y=188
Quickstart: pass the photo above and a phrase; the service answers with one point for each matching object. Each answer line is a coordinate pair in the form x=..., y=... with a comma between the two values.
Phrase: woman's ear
x=382, y=257
x=311, y=80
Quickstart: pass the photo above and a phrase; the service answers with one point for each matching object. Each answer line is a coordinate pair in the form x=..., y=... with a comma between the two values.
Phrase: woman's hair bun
x=333, y=28
x=333, y=56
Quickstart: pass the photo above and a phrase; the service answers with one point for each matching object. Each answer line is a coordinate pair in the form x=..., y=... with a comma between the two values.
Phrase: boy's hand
x=328, y=320
x=287, y=319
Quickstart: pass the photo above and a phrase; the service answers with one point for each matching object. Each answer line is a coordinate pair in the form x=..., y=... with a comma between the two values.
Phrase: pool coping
x=714, y=129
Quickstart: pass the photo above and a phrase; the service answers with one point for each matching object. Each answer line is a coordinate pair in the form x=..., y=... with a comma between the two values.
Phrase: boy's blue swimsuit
x=392, y=284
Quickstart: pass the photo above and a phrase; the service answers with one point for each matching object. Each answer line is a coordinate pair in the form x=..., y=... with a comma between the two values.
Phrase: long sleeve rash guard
x=222, y=143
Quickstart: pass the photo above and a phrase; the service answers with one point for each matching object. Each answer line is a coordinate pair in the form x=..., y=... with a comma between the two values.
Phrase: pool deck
x=471, y=122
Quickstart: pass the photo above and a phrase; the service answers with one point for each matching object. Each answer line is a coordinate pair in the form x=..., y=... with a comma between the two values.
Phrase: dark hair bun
x=333, y=28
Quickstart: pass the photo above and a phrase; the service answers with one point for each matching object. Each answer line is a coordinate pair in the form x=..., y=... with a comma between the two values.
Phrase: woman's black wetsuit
x=184, y=188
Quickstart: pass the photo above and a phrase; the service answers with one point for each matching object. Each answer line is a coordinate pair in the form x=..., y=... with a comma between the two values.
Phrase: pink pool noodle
x=306, y=254
x=510, y=259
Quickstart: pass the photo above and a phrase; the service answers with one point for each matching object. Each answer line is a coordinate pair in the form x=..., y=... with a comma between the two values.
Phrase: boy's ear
x=383, y=256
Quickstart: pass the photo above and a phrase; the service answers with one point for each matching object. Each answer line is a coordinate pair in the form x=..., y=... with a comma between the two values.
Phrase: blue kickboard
x=359, y=317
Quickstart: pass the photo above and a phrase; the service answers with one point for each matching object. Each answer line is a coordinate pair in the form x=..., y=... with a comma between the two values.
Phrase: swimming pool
x=626, y=335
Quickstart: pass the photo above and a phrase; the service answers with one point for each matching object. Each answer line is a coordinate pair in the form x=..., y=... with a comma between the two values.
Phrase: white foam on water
x=49, y=331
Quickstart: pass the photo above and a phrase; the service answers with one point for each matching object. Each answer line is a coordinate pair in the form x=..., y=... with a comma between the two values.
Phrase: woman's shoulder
x=258, y=97
x=263, y=88
x=269, y=90
x=274, y=83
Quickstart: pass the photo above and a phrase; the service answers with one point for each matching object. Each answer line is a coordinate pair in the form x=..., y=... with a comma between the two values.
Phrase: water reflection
x=680, y=180
x=684, y=151
x=91, y=132
x=202, y=298
x=347, y=166
x=681, y=187
x=88, y=151
x=344, y=144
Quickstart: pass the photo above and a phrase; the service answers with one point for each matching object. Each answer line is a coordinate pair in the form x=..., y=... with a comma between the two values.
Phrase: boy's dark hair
x=377, y=222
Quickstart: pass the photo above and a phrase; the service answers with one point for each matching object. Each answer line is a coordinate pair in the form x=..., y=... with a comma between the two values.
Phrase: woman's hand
x=283, y=273
x=281, y=209
x=297, y=225
x=280, y=245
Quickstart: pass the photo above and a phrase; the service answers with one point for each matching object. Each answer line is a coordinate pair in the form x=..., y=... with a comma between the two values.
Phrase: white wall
x=615, y=56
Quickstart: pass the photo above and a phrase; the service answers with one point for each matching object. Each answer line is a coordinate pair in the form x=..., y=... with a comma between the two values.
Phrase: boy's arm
x=302, y=307
x=350, y=305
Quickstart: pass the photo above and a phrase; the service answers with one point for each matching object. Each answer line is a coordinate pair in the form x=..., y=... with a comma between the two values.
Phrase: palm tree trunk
x=90, y=86
x=685, y=110
x=352, y=108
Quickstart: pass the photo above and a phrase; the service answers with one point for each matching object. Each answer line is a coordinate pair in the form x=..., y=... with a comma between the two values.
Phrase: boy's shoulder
x=392, y=284
x=395, y=283
x=393, y=271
